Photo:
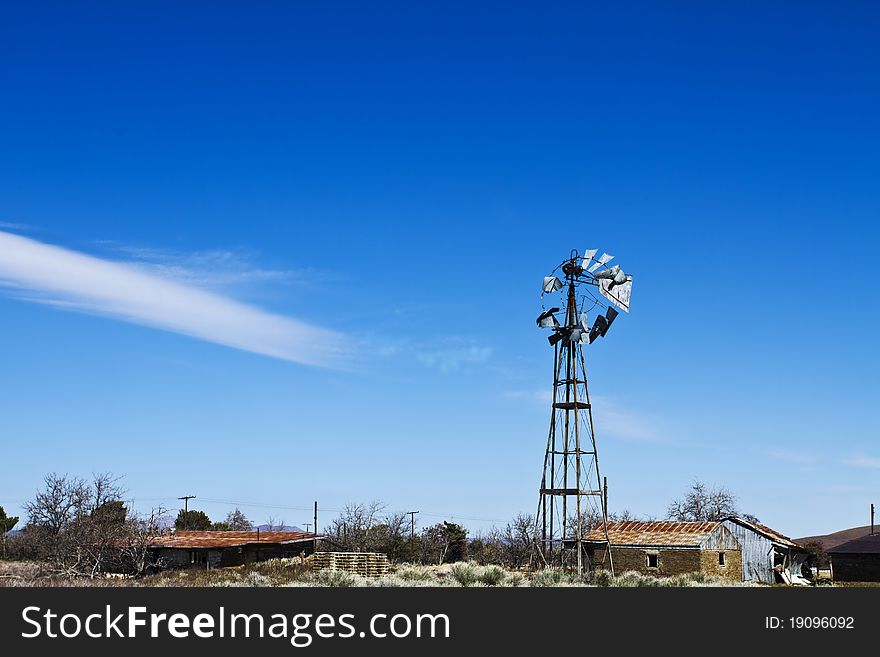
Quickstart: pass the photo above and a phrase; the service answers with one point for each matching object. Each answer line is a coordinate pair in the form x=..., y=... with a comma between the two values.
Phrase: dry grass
x=295, y=572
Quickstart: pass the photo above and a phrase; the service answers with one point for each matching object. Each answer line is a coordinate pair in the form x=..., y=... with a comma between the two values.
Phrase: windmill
x=572, y=492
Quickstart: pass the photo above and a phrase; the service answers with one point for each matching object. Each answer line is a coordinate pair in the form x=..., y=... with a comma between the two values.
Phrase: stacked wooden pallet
x=367, y=564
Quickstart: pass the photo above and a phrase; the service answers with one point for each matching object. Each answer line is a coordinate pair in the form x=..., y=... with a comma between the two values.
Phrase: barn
x=857, y=560
x=218, y=549
x=664, y=548
x=767, y=555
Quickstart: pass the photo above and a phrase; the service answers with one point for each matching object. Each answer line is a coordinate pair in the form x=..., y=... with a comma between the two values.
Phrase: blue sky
x=364, y=200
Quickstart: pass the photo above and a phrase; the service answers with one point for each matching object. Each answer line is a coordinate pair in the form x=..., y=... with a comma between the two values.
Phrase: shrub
x=601, y=577
x=415, y=574
x=336, y=578
x=551, y=577
x=465, y=574
x=491, y=576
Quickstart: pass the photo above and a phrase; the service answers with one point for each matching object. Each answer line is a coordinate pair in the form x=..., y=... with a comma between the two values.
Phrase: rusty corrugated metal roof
x=659, y=533
x=192, y=539
x=863, y=545
x=772, y=534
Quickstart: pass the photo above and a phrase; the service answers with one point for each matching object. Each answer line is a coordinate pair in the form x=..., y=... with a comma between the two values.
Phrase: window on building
x=653, y=560
x=721, y=561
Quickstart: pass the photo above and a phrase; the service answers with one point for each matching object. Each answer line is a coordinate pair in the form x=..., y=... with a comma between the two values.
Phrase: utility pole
x=605, y=495
x=412, y=524
x=872, y=520
x=307, y=524
x=316, y=517
x=412, y=530
x=186, y=499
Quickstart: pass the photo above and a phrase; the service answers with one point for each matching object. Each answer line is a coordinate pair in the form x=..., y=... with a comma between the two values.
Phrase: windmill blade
x=619, y=295
x=547, y=319
x=551, y=284
x=585, y=322
x=599, y=328
x=556, y=337
x=610, y=316
x=603, y=259
x=589, y=254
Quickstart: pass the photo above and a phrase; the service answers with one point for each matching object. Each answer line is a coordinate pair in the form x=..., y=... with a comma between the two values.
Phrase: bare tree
x=702, y=503
x=273, y=525
x=62, y=500
x=518, y=537
x=350, y=531
x=510, y=546
x=368, y=528
x=591, y=518
x=105, y=489
x=137, y=553
x=83, y=529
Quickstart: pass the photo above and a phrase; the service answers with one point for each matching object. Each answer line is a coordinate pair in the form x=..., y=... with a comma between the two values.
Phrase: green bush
x=464, y=573
x=491, y=576
x=601, y=577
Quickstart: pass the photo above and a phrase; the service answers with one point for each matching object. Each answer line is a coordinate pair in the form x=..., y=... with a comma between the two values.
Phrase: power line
x=432, y=514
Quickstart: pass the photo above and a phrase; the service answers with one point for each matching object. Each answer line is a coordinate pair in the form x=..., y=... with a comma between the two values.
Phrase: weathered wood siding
x=757, y=553
x=721, y=538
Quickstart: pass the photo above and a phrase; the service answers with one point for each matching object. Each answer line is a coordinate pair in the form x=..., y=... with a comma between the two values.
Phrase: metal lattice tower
x=573, y=497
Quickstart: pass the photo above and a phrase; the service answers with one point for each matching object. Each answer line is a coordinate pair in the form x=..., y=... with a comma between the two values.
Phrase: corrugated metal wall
x=757, y=553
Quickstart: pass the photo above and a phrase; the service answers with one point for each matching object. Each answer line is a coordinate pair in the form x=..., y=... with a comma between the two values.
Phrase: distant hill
x=829, y=541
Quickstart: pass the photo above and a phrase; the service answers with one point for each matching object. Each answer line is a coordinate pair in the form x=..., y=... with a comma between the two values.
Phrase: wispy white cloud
x=862, y=461
x=450, y=359
x=216, y=268
x=52, y=275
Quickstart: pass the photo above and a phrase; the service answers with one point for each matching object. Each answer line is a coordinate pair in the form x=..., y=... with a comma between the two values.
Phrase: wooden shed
x=767, y=555
x=665, y=548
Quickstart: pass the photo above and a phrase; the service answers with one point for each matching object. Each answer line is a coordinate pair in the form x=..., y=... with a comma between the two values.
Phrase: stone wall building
x=664, y=548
